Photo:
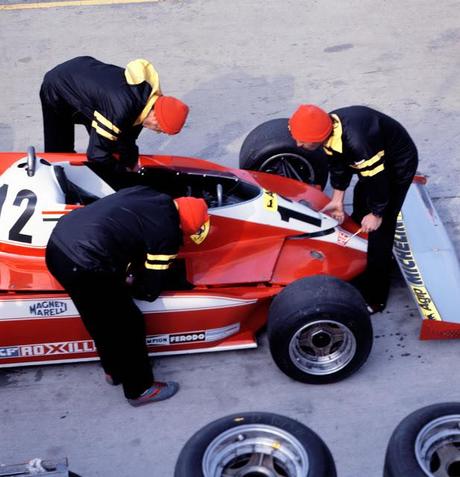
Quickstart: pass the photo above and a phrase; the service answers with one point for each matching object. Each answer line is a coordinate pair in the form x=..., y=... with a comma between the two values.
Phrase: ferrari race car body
x=266, y=232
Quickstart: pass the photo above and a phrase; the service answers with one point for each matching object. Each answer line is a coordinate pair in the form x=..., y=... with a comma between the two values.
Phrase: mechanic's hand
x=370, y=223
x=336, y=210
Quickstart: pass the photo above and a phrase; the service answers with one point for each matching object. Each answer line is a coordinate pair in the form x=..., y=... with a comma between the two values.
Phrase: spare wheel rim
x=437, y=447
x=255, y=450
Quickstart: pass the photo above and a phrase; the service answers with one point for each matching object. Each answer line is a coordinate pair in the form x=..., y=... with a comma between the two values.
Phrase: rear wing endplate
x=429, y=264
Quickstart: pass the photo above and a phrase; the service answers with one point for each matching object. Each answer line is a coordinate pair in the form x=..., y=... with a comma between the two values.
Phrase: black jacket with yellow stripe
x=373, y=145
x=111, y=101
x=135, y=228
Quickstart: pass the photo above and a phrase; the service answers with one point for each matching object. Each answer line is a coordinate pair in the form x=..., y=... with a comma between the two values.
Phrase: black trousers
x=111, y=317
x=374, y=284
x=59, y=121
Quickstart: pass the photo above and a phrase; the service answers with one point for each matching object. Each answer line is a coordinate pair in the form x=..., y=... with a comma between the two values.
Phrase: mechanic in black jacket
x=89, y=253
x=361, y=140
x=113, y=103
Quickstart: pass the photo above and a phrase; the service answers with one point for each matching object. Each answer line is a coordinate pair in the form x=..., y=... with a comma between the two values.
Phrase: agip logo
x=47, y=308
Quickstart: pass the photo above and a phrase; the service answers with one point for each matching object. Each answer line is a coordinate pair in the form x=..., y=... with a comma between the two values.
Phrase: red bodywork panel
x=43, y=336
x=439, y=330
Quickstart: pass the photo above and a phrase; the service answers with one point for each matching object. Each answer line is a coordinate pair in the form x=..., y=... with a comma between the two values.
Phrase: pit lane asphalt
x=238, y=64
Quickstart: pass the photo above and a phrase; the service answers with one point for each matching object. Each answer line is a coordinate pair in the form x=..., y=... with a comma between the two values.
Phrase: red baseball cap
x=194, y=217
x=170, y=113
x=310, y=124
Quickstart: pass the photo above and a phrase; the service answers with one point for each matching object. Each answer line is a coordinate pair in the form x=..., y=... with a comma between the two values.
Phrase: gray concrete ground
x=237, y=64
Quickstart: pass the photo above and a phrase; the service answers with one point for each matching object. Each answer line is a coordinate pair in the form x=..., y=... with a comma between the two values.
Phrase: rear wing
x=429, y=264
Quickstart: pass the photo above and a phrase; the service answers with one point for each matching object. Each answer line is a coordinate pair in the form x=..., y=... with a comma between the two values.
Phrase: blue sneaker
x=156, y=392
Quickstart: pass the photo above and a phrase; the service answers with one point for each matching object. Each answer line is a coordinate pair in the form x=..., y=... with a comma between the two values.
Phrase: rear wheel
x=426, y=443
x=252, y=445
x=319, y=330
x=270, y=148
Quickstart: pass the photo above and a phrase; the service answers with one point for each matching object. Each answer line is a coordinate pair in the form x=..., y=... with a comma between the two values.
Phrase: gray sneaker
x=158, y=391
x=109, y=379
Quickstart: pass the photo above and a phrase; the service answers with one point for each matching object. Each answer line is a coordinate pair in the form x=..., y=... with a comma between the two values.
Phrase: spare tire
x=270, y=148
x=255, y=443
x=426, y=443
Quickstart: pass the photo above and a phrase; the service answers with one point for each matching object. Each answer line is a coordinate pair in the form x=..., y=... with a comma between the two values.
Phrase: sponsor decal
x=48, y=349
x=157, y=340
x=412, y=274
x=202, y=336
x=56, y=307
x=188, y=337
x=37, y=309
x=342, y=238
x=47, y=308
x=10, y=352
x=270, y=201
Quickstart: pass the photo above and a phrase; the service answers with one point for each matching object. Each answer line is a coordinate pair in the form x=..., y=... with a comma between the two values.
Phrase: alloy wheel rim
x=437, y=447
x=291, y=165
x=255, y=450
x=322, y=347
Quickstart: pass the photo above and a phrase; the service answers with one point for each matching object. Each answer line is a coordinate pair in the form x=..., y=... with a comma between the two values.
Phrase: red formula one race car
x=270, y=259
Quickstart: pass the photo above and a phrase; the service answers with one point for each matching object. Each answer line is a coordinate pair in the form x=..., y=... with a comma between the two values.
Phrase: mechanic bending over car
x=113, y=103
x=117, y=248
x=358, y=139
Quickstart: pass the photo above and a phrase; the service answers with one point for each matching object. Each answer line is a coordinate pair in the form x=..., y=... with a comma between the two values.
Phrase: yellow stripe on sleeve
x=152, y=266
x=162, y=258
x=102, y=132
x=373, y=172
x=369, y=162
x=105, y=122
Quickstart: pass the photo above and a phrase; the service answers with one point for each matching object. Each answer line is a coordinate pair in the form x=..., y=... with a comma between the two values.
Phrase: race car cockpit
x=217, y=188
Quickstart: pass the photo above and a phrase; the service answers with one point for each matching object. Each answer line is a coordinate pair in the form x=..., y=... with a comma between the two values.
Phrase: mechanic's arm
x=101, y=148
x=374, y=176
x=151, y=279
x=128, y=150
x=106, y=139
x=377, y=187
x=340, y=179
x=335, y=206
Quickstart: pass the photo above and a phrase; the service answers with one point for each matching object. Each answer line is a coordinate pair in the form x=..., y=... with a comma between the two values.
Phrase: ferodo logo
x=412, y=274
x=48, y=308
x=213, y=334
x=188, y=337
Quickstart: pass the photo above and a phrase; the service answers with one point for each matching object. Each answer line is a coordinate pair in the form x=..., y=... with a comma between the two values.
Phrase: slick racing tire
x=270, y=148
x=319, y=330
x=426, y=443
x=255, y=443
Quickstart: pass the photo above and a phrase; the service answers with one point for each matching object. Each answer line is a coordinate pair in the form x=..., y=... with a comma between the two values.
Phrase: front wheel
x=270, y=148
x=426, y=443
x=255, y=444
x=319, y=330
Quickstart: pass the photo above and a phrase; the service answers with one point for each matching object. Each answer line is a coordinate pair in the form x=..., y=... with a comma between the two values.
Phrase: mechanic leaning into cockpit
x=117, y=248
x=113, y=103
x=358, y=139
